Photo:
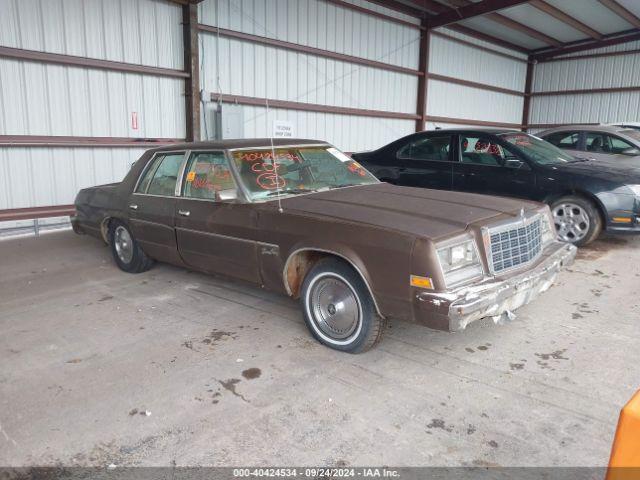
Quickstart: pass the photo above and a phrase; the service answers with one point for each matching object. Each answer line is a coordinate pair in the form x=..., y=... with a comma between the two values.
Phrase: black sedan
x=585, y=196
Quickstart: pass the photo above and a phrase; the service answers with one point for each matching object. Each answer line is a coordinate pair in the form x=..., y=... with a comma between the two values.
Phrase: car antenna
x=273, y=162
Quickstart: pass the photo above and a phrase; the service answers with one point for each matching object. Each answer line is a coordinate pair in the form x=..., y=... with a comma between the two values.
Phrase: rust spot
x=298, y=268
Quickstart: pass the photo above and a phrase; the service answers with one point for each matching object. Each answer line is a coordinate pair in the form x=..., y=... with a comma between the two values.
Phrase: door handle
x=184, y=213
x=133, y=206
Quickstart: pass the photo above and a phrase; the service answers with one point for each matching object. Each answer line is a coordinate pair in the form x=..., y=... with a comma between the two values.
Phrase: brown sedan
x=302, y=218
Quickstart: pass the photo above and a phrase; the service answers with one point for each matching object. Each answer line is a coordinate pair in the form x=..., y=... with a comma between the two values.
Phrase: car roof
x=585, y=128
x=239, y=143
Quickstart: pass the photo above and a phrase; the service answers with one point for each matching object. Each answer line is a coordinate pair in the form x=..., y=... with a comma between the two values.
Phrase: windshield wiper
x=345, y=185
x=291, y=191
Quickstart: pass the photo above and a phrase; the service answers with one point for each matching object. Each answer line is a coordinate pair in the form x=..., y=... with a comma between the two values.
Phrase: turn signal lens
x=622, y=219
x=421, y=282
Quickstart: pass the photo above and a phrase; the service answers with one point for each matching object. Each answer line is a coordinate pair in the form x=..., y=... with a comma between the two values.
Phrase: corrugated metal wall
x=584, y=74
x=255, y=70
x=40, y=98
x=452, y=59
x=49, y=99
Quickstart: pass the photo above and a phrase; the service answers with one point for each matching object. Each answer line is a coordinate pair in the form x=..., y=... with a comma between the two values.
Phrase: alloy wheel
x=572, y=222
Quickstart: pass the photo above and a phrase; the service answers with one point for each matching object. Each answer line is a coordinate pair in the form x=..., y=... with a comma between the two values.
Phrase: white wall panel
x=42, y=99
x=593, y=108
x=147, y=32
x=259, y=71
x=584, y=74
x=587, y=73
x=41, y=176
x=318, y=24
x=347, y=132
x=450, y=58
x=458, y=101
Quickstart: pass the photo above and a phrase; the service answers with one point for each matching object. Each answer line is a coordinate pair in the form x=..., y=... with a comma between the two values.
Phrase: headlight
x=459, y=261
x=548, y=225
x=635, y=189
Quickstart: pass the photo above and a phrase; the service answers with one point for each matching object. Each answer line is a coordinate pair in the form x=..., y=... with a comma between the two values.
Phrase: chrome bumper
x=497, y=297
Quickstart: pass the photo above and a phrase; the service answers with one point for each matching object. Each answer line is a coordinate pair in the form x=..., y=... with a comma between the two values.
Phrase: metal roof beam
x=512, y=24
x=607, y=41
x=619, y=10
x=471, y=10
x=565, y=18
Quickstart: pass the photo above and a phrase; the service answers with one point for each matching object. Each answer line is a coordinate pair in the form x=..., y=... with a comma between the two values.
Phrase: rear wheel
x=338, y=308
x=577, y=220
x=126, y=251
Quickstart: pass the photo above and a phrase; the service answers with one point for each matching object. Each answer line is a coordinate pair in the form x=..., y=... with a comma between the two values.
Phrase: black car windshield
x=296, y=170
x=541, y=152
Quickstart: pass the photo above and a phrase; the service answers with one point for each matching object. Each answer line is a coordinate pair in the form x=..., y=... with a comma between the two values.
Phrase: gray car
x=597, y=142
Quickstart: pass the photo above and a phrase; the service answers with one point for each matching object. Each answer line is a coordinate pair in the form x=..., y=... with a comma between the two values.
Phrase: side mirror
x=632, y=152
x=228, y=195
x=515, y=164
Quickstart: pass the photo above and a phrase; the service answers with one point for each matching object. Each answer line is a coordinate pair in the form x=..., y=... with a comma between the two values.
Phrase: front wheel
x=577, y=220
x=338, y=308
x=126, y=251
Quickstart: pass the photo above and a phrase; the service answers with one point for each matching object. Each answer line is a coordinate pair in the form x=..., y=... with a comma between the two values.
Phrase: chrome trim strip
x=178, y=190
x=292, y=254
x=226, y=237
x=157, y=224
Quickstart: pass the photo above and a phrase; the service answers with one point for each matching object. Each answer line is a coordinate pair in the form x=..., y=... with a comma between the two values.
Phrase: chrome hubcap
x=572, y=222
x=123, y=243
x=334, y=307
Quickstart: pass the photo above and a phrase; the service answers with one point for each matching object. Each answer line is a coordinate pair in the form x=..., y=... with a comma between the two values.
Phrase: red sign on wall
x=134, y=120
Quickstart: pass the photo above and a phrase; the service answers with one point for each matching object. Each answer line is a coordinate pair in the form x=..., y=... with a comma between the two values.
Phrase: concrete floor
x=230, y=376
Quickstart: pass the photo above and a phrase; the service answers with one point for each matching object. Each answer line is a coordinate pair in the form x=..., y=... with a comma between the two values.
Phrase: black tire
x=139, y=262
x=595, y=219
x=363, y=333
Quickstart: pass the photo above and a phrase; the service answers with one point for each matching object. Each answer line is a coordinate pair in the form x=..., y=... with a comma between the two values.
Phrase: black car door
x=426, y=162
x=486, y=165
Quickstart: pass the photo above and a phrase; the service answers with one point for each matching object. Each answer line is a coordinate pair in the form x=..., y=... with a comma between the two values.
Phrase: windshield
x=296, y=170
x=635, y=134
x=541, y=152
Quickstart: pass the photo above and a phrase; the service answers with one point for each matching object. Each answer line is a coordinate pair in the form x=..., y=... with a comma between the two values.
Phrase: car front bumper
x=494, y=297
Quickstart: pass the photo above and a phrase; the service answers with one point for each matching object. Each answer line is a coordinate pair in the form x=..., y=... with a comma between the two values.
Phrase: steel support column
x=191, y=66
x=526, y=105
x=423, y=80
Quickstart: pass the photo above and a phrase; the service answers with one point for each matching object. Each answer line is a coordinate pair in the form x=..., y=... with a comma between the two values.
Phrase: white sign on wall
x=283, y=129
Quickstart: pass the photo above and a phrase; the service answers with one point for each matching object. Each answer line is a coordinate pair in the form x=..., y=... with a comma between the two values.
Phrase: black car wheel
x=126, y=251
x=338, y=308
x=577, y=220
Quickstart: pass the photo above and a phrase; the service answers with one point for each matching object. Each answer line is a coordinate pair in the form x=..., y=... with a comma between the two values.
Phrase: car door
x=426, y=162
x=152, y=206
x=602, y=146
x=570, y=141
x=487, y=165
x=215, y=233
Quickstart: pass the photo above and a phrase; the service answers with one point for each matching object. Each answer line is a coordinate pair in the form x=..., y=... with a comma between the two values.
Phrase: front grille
x=515, y=244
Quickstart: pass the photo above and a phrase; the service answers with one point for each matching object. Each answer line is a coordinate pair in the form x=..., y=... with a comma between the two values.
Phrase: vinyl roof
x=240, y=143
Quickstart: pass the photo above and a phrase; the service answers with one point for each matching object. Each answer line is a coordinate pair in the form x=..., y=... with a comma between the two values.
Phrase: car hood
x=624, y=170
x=421, y=212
